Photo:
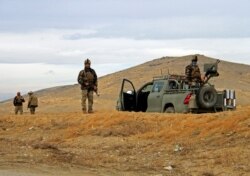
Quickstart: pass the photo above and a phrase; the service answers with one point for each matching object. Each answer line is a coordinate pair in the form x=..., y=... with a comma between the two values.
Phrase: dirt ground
x=110, y=143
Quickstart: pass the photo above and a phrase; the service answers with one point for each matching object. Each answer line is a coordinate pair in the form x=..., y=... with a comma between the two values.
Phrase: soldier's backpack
x=34, y=101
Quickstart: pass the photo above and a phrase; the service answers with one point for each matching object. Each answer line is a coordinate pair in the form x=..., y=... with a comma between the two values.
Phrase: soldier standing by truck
x=193, y=74
x=18, y=103
x=87, y=78
x=32, y=103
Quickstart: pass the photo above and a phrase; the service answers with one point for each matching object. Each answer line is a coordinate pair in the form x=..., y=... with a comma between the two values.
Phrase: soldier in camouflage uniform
x=32, y=103
x=193, y=74
x=87, y=78
x=18, y=103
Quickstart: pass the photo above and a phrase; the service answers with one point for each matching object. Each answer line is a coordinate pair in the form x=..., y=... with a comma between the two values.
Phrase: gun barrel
x=96, y=92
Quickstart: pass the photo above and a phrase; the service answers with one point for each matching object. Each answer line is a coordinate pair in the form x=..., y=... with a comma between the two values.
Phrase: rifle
x=96, y=92
x=211, y=70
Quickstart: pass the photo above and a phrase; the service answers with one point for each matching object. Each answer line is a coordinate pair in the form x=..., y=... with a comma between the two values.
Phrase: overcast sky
x=43, y=43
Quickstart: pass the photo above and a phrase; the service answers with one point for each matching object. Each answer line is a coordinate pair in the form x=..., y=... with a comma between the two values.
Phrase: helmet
x=195, y=59
x=87, y=61
x=30, y=92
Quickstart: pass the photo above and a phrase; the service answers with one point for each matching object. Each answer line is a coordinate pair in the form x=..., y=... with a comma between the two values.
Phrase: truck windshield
x=158, y=86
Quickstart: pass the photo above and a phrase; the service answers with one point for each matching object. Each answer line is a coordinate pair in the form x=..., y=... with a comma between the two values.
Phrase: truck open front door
x=127, y=96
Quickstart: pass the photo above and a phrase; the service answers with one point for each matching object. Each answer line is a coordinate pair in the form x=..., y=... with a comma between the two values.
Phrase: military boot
x=90, y=111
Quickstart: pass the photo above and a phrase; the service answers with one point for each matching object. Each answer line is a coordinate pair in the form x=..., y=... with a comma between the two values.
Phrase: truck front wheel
x=170, y=109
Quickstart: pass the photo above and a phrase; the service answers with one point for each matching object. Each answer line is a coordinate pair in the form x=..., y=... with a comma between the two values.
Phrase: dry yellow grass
x=130, y=143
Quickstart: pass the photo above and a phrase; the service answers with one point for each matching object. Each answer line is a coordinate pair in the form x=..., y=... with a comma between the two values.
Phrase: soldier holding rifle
x=87, y=78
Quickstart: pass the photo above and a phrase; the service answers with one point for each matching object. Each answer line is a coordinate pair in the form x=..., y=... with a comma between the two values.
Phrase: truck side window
x=173, y=85
x=158, y=86
x=147, y=88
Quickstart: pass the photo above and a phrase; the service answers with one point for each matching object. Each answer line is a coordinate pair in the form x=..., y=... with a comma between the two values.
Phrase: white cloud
x=34, y=76
x=72, y=53
x=62, y=59
x=26, y=77
x=49, y=47
x=115, y=34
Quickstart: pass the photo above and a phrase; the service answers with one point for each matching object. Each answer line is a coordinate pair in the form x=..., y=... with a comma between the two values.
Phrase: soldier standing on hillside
x=32, y=103
x=87, y=78
x=18, y=103
x=193, y=74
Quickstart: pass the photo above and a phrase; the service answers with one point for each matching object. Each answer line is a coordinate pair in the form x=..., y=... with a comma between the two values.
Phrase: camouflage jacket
x=87, y=78
x=193, y=73
x=18, y=101
x=33, y=101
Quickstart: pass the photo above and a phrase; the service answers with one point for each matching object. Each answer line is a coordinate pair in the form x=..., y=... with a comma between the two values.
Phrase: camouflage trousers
x=90, y=96
x=32, y=110
x=18, y=108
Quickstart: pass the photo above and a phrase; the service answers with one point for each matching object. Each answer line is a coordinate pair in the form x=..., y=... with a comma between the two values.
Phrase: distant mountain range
x=5, y=96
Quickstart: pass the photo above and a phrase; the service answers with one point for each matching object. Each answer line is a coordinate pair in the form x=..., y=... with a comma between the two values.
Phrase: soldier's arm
x=80, y=78
x=28, y=106
x=14, y=101
x=188, y=72
x=95, y=78
x=201, y=78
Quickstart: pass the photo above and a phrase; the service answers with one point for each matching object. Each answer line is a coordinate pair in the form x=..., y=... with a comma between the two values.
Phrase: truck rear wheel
x=170, y=110
x=207, y=97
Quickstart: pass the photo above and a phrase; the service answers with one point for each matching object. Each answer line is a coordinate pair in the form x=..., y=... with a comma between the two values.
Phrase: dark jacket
x=87, y=78
x=18, y=101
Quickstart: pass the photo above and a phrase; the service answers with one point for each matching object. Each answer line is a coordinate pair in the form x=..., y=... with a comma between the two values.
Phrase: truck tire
x=170, y=109
x=206, y=97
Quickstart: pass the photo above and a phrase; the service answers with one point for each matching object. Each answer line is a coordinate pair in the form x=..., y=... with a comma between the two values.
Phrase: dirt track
x=113, y=143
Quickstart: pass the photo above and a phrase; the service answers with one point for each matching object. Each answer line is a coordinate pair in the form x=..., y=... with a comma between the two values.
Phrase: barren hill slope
x=60, y=140
x=67, y=98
